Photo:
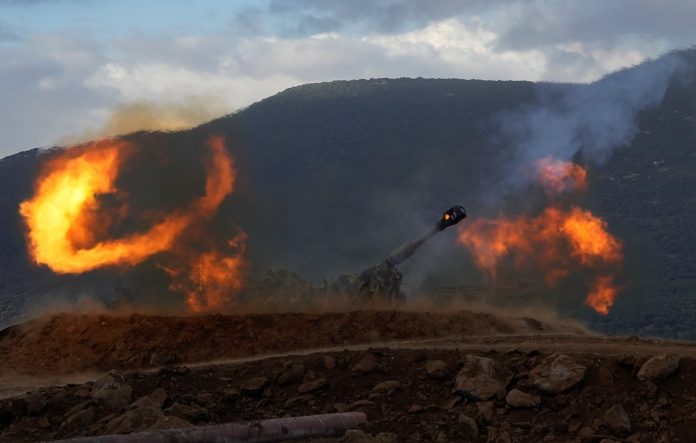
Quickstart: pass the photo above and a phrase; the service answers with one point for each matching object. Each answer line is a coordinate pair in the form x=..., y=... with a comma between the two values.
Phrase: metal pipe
x=451, y=217
x=403, y=252
x=276, y=429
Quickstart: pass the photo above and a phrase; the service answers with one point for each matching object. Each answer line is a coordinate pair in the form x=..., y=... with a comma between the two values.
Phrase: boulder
x=616, y=418
x=311, y=386
x=35, y=402
x=187, y=412
x=437, y=369
x=658, y=367
x=387, y=386
x=481, y=378
x=300, y=399
x=469, y=427
x=519, y=399
x=503, y=437
x=362, y=404
x=230, y=396
x=112, y=390
x=78, y=421
x=292, y=373
x=153, y=400
x=329, y=362
x=364, y=365
x=485, y=410
x=254, y=385
x=134, y=420
x=557, y=373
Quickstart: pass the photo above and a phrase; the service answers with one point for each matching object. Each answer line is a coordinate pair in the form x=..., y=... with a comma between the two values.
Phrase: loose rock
x=230, y=396
x=469, y=426
x=35, y=403
x=112, y=390
x=134, y=420
x=78, y=421
x=415, y=408
x=188, y=413
x=154, y=400
x=437, y=369
x=362, y=404
x=481, y=378
x=293, y=373
x=658, y=367
x=557, y=373
x=503, y=437
x=329, y=363
x=485, y=410
x=519, y=399
x=254, y=385
x=616, y=418
x=365, y=364
x=386, y=386
x=311, y=386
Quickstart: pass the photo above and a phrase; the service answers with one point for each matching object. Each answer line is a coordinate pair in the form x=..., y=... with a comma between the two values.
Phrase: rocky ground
x=481, y=389
x=72, y=342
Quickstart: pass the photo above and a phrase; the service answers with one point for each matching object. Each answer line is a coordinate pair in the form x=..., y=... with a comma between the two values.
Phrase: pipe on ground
x=276, y=429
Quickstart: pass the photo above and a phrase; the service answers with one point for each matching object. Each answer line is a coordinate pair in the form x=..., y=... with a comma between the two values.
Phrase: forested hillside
x=335, y=175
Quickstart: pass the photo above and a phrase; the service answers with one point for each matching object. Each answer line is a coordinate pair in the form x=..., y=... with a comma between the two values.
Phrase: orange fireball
x=65, y=222
x=556, y=241
x=602, y=294
x=560, y=177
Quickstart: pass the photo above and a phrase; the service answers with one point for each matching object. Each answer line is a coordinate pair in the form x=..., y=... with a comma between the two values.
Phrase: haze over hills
x=335, y=175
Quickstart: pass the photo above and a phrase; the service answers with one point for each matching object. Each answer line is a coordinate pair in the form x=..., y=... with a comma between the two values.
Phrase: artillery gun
x=383, y=281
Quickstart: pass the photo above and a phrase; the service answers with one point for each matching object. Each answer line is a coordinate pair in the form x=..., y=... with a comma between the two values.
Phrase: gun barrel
x=450, y=218
x=403, y=252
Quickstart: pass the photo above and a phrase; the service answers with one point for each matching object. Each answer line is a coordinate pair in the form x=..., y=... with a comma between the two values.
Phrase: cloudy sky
x=67, y=65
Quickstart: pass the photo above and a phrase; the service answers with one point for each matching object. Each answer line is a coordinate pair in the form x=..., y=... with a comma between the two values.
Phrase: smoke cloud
x=590, y=119
x=143, y=115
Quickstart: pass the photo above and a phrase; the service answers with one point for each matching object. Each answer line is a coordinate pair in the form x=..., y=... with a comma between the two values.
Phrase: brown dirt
x=421, y=408
x=67, y=343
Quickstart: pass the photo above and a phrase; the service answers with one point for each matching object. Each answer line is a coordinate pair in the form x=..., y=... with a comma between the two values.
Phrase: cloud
x=597, y=23
x=7, y=34
x=381, y=16
x=38, y=2
x=42, y=96
x=61, y=83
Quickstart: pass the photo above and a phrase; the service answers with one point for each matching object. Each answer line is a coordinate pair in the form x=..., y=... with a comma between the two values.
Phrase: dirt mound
x=67, y=343
x=430, y=395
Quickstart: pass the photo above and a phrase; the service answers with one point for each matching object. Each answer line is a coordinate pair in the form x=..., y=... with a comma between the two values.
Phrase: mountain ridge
x=342, y=164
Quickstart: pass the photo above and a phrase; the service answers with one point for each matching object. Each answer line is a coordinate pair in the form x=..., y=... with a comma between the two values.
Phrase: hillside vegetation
x=335, y=175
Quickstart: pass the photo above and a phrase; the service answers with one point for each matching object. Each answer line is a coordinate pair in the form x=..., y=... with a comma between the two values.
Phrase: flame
x=602, y=294
x=66, y=225
x=560, y=177
x=556, y=241
x=213, y=277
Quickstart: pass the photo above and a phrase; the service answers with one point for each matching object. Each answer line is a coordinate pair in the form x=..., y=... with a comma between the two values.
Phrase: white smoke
x=593, y=118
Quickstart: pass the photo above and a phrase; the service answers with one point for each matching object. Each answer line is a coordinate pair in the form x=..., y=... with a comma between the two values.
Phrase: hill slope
x=334, y=175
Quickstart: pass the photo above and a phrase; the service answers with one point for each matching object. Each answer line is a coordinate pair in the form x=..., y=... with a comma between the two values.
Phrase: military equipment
x=383, y=281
